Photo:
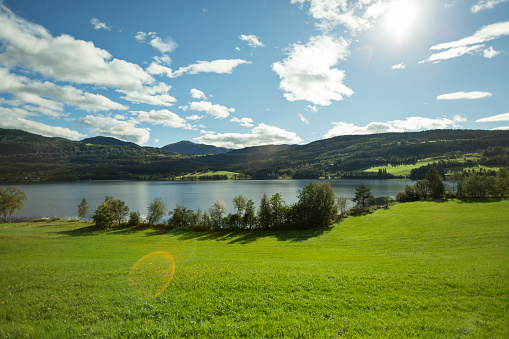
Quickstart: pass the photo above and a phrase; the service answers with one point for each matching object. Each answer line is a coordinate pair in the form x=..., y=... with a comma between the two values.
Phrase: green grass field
x=404, y=170
x=209, y=174
x=424, y=269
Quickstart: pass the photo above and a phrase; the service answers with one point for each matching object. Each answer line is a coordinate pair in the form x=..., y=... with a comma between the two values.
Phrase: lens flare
x=152, y=274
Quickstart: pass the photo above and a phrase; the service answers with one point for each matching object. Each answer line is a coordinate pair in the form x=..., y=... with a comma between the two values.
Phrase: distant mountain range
x=188, y=147
x=108, y=141
x=29, y=157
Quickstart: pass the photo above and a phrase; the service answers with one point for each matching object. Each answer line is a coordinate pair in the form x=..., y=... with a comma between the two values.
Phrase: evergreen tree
x=363, y=196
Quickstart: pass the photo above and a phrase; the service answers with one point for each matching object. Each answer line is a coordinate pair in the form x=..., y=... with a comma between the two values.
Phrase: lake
x=62, y=199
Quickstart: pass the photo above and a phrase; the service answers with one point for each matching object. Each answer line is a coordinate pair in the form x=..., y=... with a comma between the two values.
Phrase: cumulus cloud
x=194, y=117
x=398, y=66
x=260, y=135
x=307, y=72
x=156, y=95
x=246, y=122
x=221, y=66
x=464, y=95
x=197, y=94
x=470, y=44
x=495, y=118
x=162, y=117
x=490, y=53
x=420, y=123
x=409, y=124
x=217, y=111
x=64, y=58
x=98, y=24
x=343, y=128
x=252, y=40
x=166, y=45
x=356, y=16
x=122, y=129
x=9, y=121
x=51, y=96
x=485, y=4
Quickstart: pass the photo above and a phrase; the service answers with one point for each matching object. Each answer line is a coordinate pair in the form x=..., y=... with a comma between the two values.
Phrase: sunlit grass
x=404, y=170
x=427, y=269
x=210, y=174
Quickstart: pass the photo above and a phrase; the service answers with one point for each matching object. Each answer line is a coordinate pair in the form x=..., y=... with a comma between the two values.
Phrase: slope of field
x=426, y=269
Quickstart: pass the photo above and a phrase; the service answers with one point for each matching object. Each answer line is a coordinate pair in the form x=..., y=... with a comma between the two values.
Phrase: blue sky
x=237, y=73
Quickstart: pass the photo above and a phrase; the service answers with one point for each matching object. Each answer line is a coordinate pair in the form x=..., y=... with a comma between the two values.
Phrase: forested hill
x=108, y=141
x=188, y=147
x=29, y=157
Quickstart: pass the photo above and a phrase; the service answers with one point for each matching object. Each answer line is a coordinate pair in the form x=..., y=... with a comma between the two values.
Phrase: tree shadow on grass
x=227, y=236
x=82, y=231
x=478, y=200
x=249, y=236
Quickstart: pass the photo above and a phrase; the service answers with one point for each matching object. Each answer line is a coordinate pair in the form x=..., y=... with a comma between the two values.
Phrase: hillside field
x=423, y=269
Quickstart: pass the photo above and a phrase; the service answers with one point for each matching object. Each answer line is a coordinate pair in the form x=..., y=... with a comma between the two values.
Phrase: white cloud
x=357, y=16
x=490, y=53
x=197, y=94
x=221, y=66
x=307, y=73
x=470, y=44
x=343, y=128
x=64, y=58
x=464, y=95
x=155, y=68
x=217, y=111
x=252, y=40
x=162, y=117
x=398, y=66
x=98, y=24
x=194, y=117
x=156, y=95
x=453, y=53
x=166, y=45
x=486, y=4
x=420, y=123
x=125, y=130
x=409, y=124
x=260, y=135
x=51, y=96
x=8, y=121
x=246, y=122
x=311, y=108
x=504, y=128
x=495, y=118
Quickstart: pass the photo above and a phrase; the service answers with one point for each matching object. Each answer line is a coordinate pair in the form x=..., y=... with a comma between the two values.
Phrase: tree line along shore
x=317, y=205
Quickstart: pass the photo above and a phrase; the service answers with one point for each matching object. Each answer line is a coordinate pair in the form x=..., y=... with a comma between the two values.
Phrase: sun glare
x=400, y=18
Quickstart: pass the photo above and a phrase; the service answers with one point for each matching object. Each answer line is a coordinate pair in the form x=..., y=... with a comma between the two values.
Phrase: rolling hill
x=29, y=157
x=188, y=147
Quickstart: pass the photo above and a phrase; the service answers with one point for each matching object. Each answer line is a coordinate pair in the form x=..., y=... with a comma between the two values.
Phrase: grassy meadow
x=423, y=269
x=404, y=170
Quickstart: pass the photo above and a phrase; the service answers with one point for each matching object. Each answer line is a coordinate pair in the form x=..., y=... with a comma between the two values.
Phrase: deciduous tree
x=11, y=199
x=156, y=211
x=83, y=208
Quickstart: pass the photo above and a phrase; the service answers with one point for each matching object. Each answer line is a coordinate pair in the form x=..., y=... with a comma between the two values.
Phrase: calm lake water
x=61, y=199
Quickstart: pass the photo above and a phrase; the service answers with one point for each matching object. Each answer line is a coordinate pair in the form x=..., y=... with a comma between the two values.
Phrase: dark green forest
x=29, y=157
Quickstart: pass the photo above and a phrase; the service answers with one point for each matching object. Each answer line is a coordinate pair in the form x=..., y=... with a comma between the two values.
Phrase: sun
x=400, y=17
